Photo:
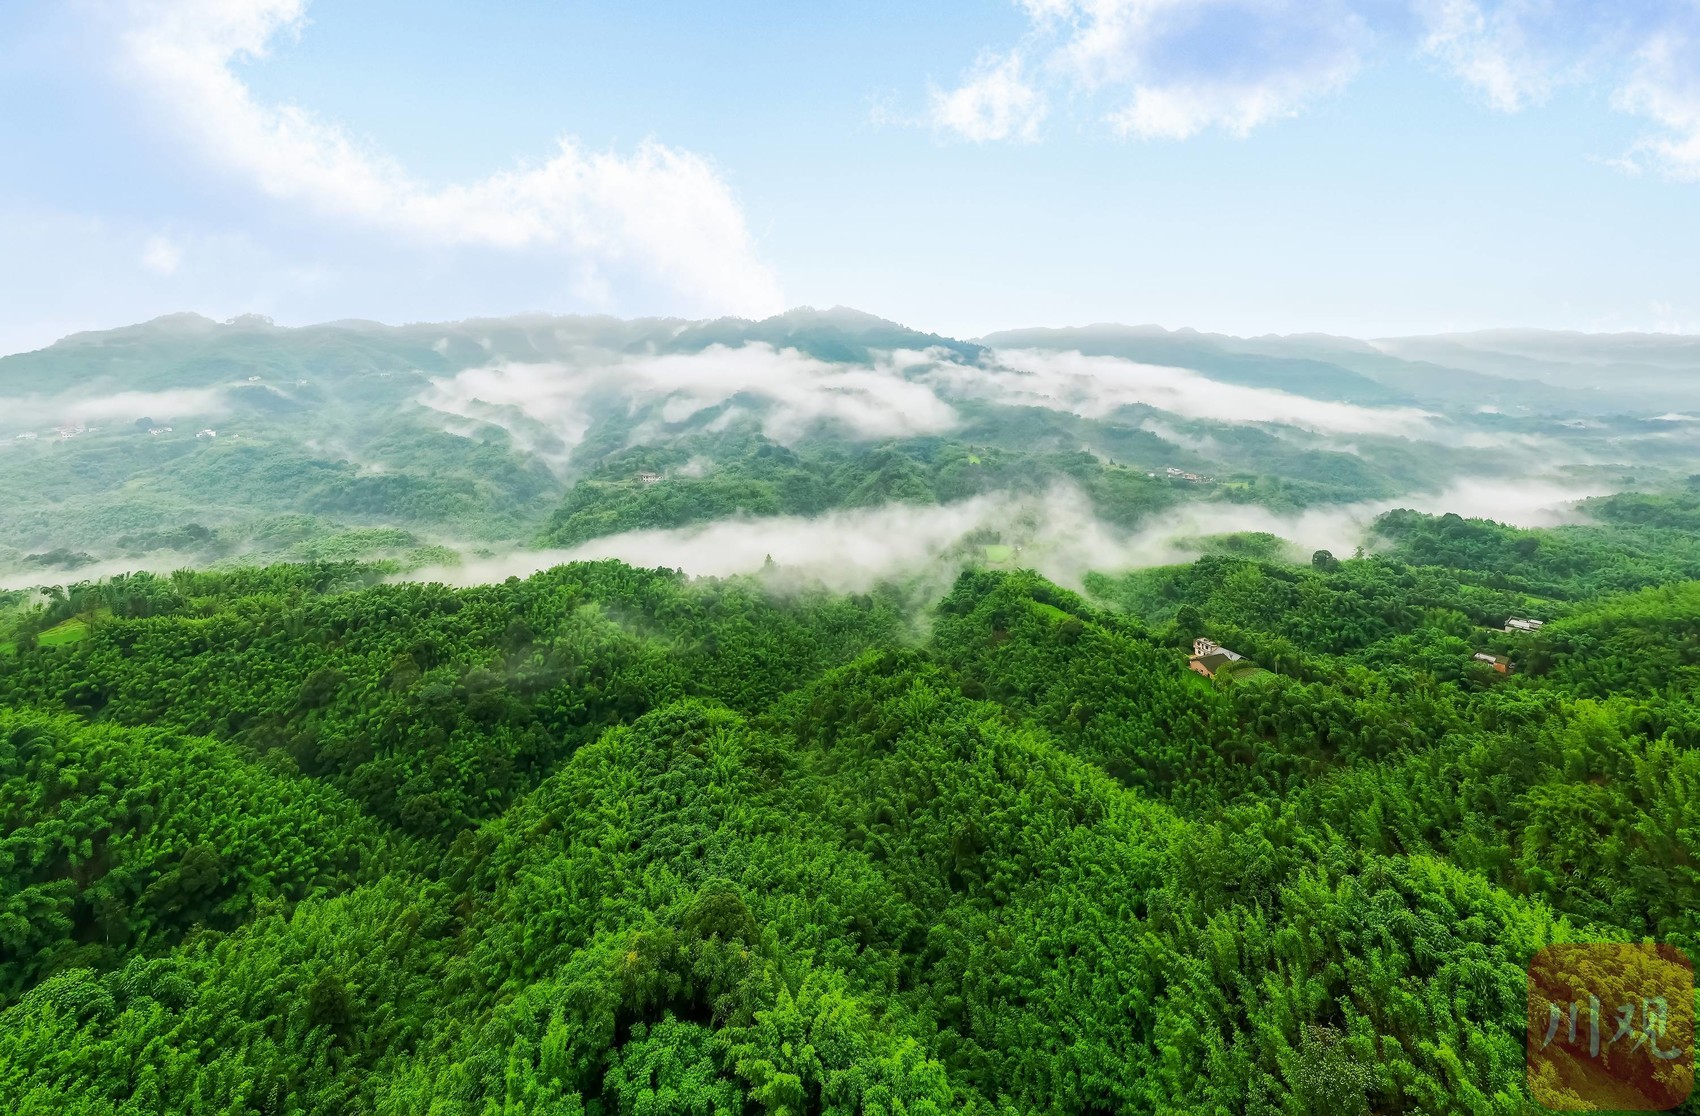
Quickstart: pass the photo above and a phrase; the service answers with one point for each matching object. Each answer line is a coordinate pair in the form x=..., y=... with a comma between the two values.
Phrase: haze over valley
x=846, y=448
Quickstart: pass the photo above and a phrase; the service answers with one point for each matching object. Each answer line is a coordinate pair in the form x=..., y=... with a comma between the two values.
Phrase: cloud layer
x=1094, y=386
x=664, y=213
x=794, y=392
x=895, y=395
x=1169, y=69
x=27, y=411
x=852, y=551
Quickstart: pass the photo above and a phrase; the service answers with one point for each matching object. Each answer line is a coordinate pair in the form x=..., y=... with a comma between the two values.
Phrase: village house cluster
x=1514, y=624
x=1182, y=475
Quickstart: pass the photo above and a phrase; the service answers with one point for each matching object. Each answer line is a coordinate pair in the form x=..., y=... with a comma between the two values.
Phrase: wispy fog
x=798, y=391
x=124, y=406
x=850, y=551
x=34, y=577
x=1095, y=386
x=846, y=550
x=895, y=394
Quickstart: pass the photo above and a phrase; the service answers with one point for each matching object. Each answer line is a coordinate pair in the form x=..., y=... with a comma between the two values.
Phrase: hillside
x=612, y=840
x=187, y=441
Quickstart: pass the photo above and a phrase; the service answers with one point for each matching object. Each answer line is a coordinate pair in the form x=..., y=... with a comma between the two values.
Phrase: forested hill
x=189, y=442
x=295, y=839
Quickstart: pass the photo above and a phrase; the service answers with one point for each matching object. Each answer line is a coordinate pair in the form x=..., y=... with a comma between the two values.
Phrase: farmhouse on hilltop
x=1516, y=625
x=1208, y=657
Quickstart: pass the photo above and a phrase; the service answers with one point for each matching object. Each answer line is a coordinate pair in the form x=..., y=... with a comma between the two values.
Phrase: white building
x=1202, y=647
x=1516, y=625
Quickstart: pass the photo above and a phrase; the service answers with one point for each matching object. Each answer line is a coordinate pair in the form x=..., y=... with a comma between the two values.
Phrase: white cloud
x=664, y=212
x=854, y=550
x=1175, y=67
x=550, y=407
x=1496, y=52
x=1170, y=69
x=161, y=255
x=123, y=406
x=1095, y=386
x=994, y=103
x=1519, y=52
x=1665, y=88
x=867, y=400
x=1060, y=536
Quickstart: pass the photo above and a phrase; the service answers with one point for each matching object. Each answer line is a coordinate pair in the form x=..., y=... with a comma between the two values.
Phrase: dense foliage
x=751, y=475
x=605, y=840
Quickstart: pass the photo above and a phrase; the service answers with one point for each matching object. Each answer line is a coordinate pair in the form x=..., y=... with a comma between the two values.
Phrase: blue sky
x=1249, y=166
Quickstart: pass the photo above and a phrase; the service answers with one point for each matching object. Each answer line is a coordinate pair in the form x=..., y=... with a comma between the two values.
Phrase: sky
x=1363, y=167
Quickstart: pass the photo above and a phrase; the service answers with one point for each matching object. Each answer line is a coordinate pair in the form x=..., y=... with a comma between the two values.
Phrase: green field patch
x=69, y=631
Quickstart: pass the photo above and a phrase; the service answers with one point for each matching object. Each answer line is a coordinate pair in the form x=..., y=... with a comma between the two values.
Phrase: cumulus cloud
x=1647, y=55
x=797, y=391
x=664, y=212
x=1170, y=69
x=1094, y=386
x=1173, y=68
x=1495, y=51
x=995, y=102
x=1665, y=88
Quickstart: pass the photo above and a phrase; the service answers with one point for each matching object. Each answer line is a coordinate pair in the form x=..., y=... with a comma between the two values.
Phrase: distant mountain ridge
x=1488, y=367
x=246, y=436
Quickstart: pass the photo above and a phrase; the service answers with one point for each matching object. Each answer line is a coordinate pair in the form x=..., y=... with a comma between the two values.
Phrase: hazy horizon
x=1366, y=169
x=1132, y=324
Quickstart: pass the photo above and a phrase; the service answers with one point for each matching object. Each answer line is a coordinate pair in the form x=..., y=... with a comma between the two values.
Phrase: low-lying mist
x=797, y=392
x=1055, y=533
x=30, y=411
x=895, y=394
